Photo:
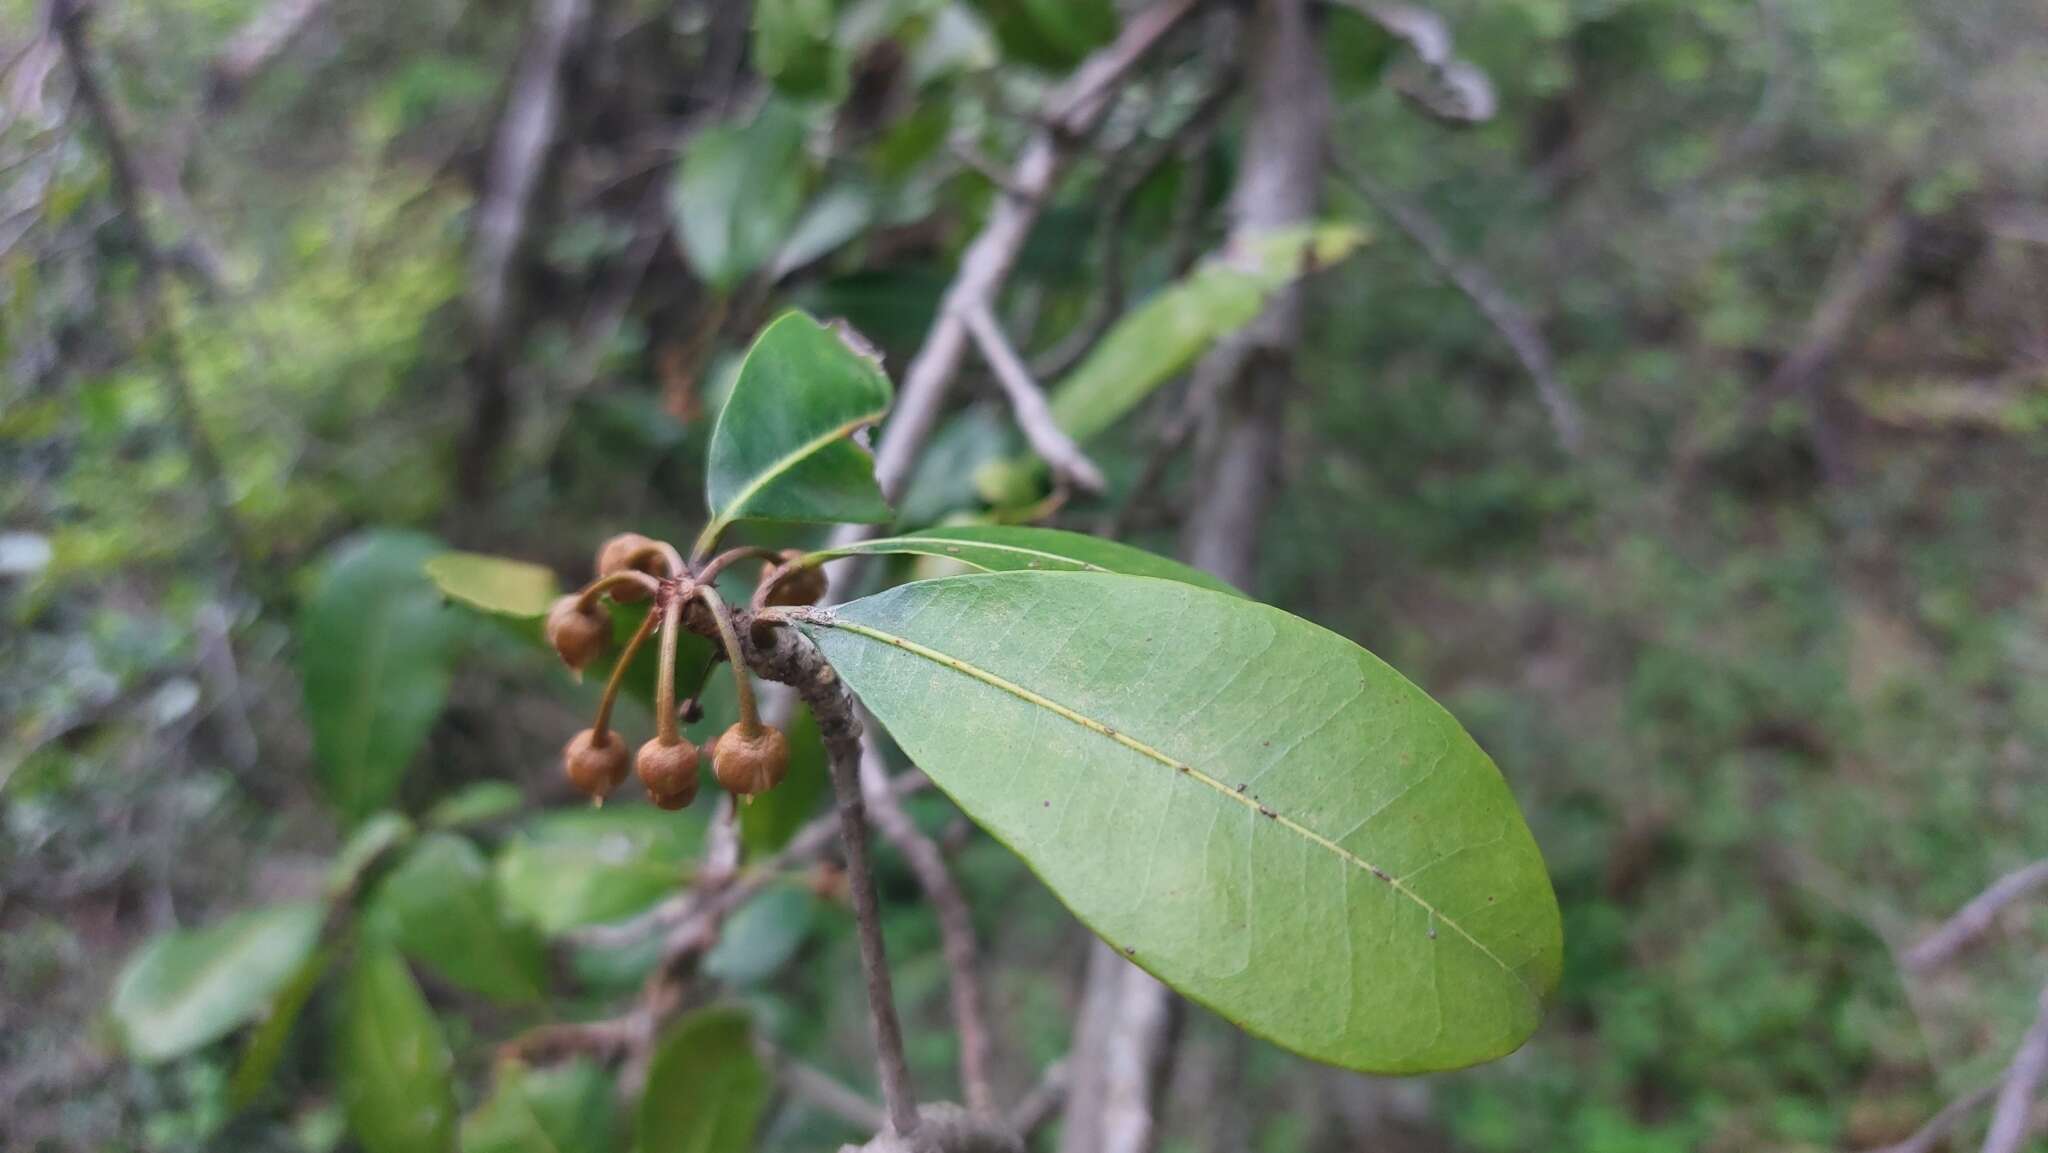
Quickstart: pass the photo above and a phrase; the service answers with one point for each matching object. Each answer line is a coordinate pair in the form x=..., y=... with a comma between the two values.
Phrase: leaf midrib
x=991, y=679
x=783, y=464
x=954, y=548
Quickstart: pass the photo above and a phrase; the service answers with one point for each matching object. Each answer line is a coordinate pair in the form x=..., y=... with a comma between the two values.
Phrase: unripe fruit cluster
x=747, y=759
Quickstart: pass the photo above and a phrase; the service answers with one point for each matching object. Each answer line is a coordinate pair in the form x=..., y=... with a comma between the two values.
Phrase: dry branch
x=956, y=927
x=1070, y=466
x=1514, y=325
x=2011, y=1116
x=1975, y=919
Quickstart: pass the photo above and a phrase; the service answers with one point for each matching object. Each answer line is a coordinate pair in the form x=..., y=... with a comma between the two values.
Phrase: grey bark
x=1125, y=1035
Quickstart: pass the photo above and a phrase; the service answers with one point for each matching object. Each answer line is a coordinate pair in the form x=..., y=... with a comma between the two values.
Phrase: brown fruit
x=804, y=586
x=748, y=764
x=595, y=768
x=697, y=618
x=578, y=632
x=618, y=554
x=668, y=771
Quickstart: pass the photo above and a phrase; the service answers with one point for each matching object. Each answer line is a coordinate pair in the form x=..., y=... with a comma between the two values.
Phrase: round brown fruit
x=578, y=631
x=668, y=771
x=802, y=586
x=629, y=550
x=747, y=764
x=595, y=767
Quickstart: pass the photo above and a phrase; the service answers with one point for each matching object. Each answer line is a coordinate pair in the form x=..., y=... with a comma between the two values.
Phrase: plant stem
x=618, y=677
x=665, y=681
x=718, y=564
x=602, y=585
x=743, y=685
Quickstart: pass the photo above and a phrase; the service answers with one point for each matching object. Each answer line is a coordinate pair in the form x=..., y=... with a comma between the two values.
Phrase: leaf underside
x=1006, y=548
x=1258, y=811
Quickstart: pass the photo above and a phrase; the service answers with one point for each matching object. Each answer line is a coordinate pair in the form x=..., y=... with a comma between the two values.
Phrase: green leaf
x=1003, y=548
x=763, y=935
x=738, y=191
x=494, y=584
x=796, y=48
x=266, y=1047
x=191, y=988
x=1164, y=335
x=587, y=866
x=1050, y=34
x=706, y=1090
x=566, y=1108
x=782, y=448
x=366, y=848
x=440, y=908
x=374, y=652
x=477, y=804
x=1256, y=810
x=392, y=1062
x=838, y=215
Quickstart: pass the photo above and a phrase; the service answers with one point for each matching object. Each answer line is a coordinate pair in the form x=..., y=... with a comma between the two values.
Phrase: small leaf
x=565, y=1108
x=477, y=804
x=1164, y=335
x=586, y=866
x=762, y=936
x=838, y=215
x=374, y=651
x=796, y=48
x=494, y=584
x=1051, y=34
x=738, y=191
x=706, y=1090
x=1002, y=548
x=782, y=449
x=365, y=848
x=439, y=907
x=392, y=1061
x=267, y=1044
x=1256, y=810
x=191, y=988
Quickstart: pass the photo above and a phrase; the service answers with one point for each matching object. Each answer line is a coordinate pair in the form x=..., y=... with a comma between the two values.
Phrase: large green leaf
x=1255, y=809
x=738, y=191
x=782, y=449
x=566, y=1108
x=440, y=907
x=374, y=653
x=1164, y=335
x=392, y=1062
x=191, y=988
x=585, y=866
x=706, y=1090
x=1004, y=548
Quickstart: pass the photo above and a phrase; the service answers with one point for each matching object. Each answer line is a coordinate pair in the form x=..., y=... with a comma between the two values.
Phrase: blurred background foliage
x=1766, y=660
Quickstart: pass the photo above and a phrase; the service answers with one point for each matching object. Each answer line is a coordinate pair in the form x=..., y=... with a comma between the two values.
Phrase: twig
x=1974, y=919
x=68, y=17
x=1042, y=1103
x=956, y=926
x=1930, y=1136
x=1506, y=317
x=254, y=45
x=1189, y=138
x=1028, y=405
x=786, y=658
x=2010, y=1116
x=827, y=1093
x=1069, y=111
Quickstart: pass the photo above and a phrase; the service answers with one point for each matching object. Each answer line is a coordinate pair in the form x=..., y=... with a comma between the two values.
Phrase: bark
x=518, y=154
x=1123, y=1045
